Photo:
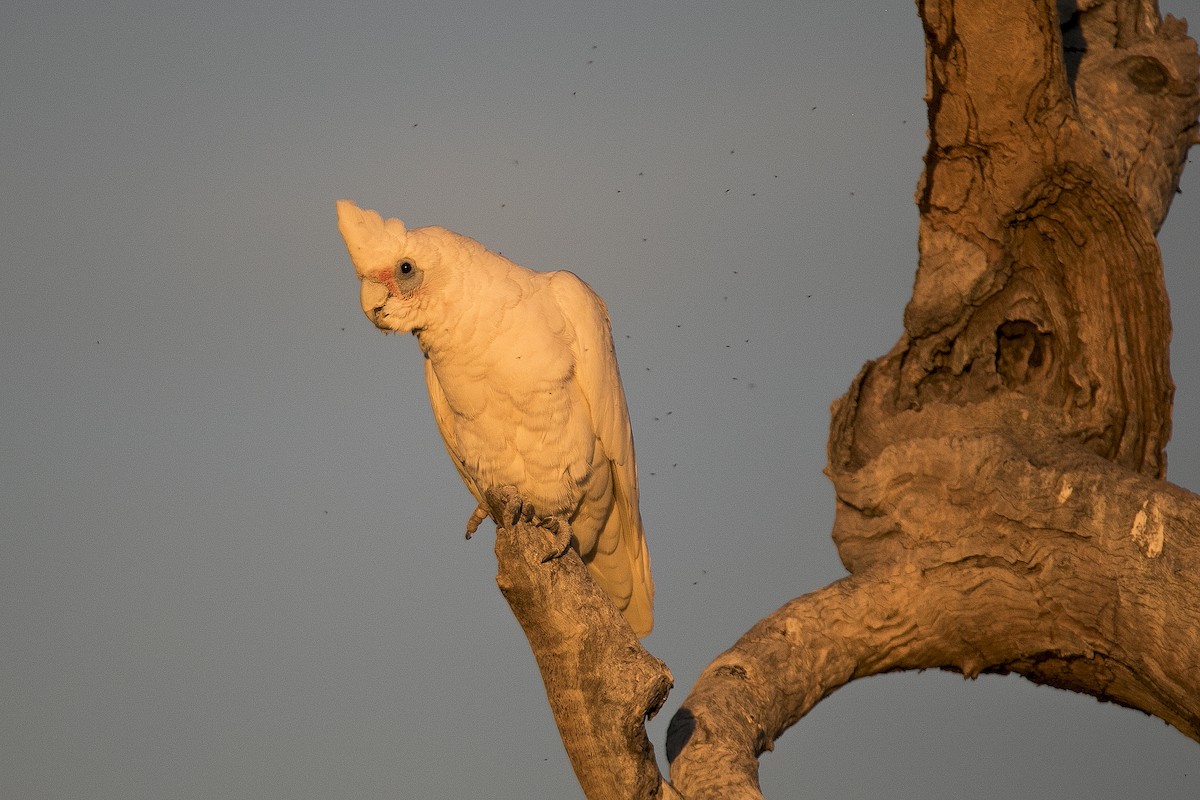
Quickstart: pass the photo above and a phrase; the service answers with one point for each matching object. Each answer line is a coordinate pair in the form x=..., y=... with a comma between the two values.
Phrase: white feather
x=523, y=381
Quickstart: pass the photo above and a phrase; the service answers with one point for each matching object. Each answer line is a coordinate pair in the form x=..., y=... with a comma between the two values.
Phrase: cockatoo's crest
x=373, y=242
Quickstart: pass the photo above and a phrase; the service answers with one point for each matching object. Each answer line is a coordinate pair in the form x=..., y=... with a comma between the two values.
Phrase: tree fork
x=1000, y=506
x=1000, y=502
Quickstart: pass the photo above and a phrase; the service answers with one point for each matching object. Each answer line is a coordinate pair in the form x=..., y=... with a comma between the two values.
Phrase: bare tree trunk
x=1000, y=497
x=998, y=472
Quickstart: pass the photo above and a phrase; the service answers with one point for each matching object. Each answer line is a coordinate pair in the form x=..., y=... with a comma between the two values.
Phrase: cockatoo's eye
x=408, y=276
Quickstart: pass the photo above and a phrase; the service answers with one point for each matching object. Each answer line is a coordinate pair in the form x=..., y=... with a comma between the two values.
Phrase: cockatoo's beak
x=373, y=295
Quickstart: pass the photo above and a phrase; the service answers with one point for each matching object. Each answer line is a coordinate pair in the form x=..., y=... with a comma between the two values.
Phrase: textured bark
x=1078, y=574
x=1000, y=502
x=999, y=473
x=1135, y=82
x=601, y=683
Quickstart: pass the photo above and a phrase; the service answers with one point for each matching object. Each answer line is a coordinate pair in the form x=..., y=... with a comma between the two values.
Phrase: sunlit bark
x=1001, y=502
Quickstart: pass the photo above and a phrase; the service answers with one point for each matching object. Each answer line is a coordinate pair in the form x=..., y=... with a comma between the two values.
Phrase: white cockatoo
x=523, y=381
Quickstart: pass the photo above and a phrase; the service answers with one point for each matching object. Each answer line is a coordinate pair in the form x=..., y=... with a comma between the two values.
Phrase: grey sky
x=231, y=554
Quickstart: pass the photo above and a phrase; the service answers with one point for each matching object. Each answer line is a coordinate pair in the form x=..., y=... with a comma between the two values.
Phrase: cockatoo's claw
x=517, y=510
x=477, y=516
x=562, y=537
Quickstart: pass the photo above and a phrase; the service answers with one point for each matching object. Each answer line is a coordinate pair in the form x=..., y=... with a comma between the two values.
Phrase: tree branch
x=998, y=472
x=1075, y=573
x=601, y=683
x=1137, y=94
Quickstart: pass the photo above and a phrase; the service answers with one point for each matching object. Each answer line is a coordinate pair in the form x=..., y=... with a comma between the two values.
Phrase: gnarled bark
x=999, y=473
x=601, y=683
x=1069, y=570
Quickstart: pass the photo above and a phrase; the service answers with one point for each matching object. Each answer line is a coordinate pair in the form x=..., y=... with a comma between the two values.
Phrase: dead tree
x=1001, y=502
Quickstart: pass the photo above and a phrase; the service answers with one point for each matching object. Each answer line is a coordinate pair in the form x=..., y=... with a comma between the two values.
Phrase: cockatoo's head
x=408, y=277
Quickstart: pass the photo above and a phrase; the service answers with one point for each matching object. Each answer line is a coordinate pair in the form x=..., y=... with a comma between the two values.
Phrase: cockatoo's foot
x=517, y=511
x=477, y=516
x=562, y=537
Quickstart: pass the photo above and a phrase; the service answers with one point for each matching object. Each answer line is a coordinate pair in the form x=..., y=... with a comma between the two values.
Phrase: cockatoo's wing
x=443, y=416
x=621, y=560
